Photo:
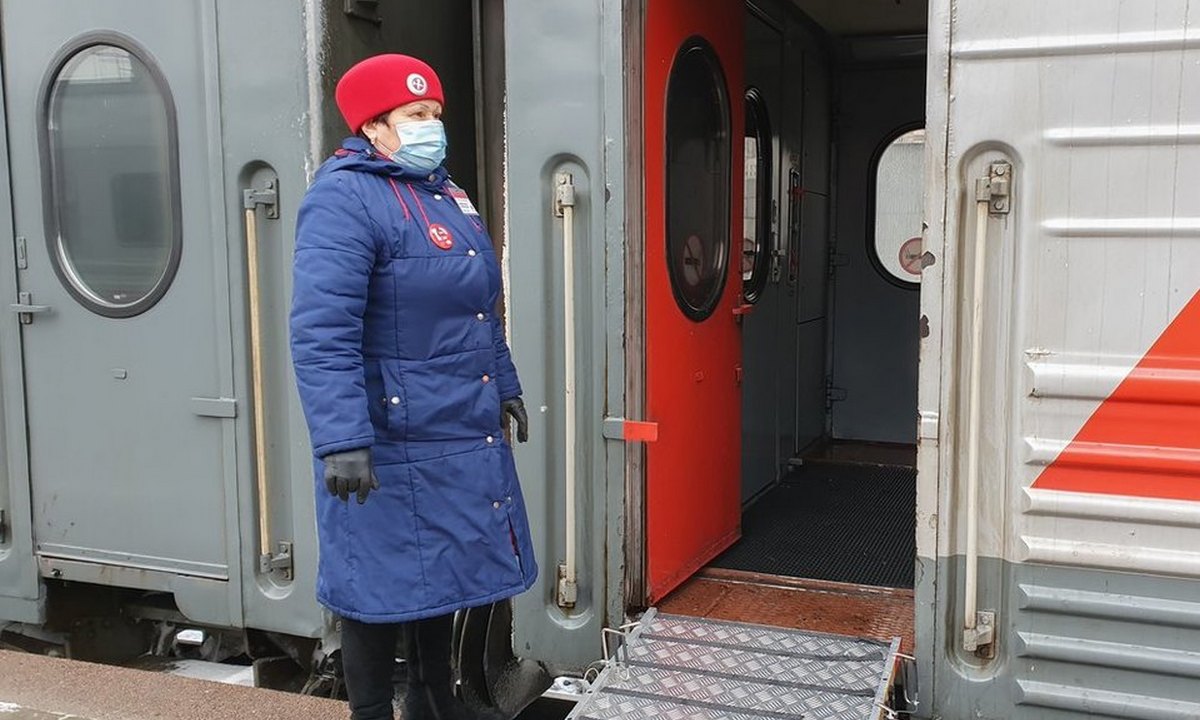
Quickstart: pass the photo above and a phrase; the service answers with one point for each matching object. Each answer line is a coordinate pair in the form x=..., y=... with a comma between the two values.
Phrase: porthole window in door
x=757, y=194
x=112, y=186
x=899, y=208
x=698, y=179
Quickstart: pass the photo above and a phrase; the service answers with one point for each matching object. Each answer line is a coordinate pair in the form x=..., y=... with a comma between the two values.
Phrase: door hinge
x=25, y=309
x=281, y=560
x=268, y=197
x=567, y=589
x=981, y=639
x=363, y=10
x=833, y=393
x=837, y=260
x=996, y=188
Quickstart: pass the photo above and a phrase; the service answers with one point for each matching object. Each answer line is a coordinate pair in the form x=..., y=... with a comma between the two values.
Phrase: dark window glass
x=757, y=192
x=698, y=177
x=113, y=183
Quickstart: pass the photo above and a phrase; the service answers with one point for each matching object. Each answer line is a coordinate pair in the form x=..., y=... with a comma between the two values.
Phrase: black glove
x=350, y=472
x=516, y=408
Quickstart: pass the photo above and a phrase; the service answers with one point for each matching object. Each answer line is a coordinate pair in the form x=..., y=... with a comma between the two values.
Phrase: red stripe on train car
x=1144, y=440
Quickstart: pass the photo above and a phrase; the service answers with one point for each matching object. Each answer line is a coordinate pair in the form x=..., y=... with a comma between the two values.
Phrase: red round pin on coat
x=441, y=236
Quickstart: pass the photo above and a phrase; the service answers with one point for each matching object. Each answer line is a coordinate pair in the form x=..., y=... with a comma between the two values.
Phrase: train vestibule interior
x=831, y=260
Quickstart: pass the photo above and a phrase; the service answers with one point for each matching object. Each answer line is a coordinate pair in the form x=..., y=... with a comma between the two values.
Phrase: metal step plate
x=674, y=667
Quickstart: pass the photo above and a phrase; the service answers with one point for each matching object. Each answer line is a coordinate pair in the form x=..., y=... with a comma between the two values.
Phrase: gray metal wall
x=565, y=113
x=783, y=341
x=875, y=321
x=815, y=211
x=21, y=597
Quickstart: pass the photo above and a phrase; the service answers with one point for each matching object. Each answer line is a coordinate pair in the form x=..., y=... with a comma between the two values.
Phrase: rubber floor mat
x=845, y=523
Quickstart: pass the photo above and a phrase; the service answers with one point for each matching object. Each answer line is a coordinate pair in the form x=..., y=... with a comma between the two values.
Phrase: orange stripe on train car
x=1144, y=439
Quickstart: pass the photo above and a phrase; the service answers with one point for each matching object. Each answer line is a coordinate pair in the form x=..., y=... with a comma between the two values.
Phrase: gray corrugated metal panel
x=1121, y=644
x=1093, y=702
x=1121, y=656
x=1110, y=606
x=20, y=587
x=1047, y=44
x=549, y=132
x=676, y=667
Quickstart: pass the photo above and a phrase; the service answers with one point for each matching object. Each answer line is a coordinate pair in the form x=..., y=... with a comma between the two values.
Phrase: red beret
x=383, y=83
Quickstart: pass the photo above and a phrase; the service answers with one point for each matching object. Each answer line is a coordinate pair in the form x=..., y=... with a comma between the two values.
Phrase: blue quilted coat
x=396, y=347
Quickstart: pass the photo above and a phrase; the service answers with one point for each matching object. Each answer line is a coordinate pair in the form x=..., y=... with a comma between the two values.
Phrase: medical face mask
x=422, y=145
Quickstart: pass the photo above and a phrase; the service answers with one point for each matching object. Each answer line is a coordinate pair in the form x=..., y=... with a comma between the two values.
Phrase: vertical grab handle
x=564, y=207
x=991, y=196
x=268, y=561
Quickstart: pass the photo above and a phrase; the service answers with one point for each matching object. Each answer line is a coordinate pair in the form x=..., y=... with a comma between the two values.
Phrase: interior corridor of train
x=831, y=261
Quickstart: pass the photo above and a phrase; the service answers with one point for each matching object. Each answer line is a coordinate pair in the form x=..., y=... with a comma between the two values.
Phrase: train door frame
x=18, y=566
x=633, y=31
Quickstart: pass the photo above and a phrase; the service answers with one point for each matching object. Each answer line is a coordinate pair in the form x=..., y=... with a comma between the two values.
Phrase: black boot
x=430, y=679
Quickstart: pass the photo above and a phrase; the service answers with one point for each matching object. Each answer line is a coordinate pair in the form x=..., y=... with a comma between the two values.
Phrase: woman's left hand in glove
x=516, y=408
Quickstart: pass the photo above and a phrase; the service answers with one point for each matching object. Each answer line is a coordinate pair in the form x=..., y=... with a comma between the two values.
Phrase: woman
x=406, y=381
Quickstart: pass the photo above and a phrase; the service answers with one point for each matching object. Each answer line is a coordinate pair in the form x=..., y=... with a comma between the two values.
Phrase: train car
x=890, y=305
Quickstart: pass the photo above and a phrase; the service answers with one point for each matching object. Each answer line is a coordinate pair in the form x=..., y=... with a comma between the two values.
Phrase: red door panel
x=693, y=153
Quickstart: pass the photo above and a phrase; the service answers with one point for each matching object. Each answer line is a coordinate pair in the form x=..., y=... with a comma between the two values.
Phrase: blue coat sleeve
x=335, y=255
x=506, y=373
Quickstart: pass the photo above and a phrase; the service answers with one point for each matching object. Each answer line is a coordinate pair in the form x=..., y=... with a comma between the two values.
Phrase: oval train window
x=899, y=208
x=698, y=176
x=113, y=218
x=757, y=191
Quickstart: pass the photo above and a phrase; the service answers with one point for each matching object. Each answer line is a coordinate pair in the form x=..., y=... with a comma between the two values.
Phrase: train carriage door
x=125, y=327
x=692, y=112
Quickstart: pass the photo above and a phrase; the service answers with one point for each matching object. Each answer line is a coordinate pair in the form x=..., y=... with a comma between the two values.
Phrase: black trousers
x=368, y=662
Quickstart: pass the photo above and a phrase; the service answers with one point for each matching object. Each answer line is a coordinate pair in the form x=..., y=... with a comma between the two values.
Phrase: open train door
x=692, y=116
